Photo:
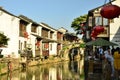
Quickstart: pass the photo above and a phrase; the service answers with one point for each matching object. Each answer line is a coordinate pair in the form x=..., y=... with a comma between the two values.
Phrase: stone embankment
x=11, y=64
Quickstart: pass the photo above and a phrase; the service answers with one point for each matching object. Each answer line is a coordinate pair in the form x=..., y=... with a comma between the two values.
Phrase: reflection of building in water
x=52, y=74
x=33, y=77
x=23, y=75
x=73, y=66
x=81, y=66
x=60, y=71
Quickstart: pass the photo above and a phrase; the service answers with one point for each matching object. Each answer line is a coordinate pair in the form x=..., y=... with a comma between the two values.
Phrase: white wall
x=115, y=27
x=54, y=49
x=33, y=44
x=10, y=26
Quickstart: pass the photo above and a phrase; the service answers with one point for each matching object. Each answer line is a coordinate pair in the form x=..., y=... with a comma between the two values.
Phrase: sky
x=55, y=13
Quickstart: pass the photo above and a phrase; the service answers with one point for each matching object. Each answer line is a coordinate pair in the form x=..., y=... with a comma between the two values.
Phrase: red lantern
x=110, y=11
x=46, y=45
x=98, y=29
x=26, y=35
x=94, y=34
x=37, y=43
x=102, y=29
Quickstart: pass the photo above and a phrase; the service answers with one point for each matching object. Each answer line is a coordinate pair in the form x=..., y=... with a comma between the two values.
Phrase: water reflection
x=58, y=71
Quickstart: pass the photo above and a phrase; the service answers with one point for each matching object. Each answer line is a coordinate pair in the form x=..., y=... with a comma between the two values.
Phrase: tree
x=3, y=40
x=78, y=24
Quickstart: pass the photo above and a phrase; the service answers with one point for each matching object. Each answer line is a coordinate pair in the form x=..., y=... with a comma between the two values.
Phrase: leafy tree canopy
x=3, y=40
x=77, y=21
x=78, y=25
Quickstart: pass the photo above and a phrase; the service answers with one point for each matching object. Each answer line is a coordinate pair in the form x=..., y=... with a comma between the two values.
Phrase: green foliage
x=2, y=66
x=3, y=40
x=77, y=21
x=79, y=25
x=82, y=45
x=65, y=47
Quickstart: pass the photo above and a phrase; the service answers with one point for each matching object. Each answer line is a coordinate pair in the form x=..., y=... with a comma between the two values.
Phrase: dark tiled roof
x=47, y=25
x=7, y=12
x=28, y=19
x=71, y=34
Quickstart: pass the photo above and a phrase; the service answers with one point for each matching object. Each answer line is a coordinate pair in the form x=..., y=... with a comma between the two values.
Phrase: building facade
x=9, y=26
x=111, y=26
x=29, y=38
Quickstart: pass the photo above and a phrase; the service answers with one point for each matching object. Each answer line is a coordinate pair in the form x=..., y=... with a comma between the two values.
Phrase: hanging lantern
x=98, y=29
x=26, y=34
x=46, y=45
x=37, y=43
x=94, y=34
x=110, y=11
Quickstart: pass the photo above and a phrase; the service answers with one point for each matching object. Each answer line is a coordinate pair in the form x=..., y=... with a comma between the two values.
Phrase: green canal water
x=72, y=70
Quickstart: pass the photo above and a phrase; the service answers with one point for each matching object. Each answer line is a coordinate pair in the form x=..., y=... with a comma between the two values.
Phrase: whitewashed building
x=115, y=27
x=9, y=26
x=41, y=38
x=28, y=36
x=51, y=40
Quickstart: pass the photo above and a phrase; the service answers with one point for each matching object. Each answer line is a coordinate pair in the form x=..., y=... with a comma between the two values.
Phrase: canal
x=65, y=70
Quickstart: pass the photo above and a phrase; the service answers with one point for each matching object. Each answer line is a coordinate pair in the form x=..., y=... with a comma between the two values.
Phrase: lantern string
x=106, y=2
x=110, y=1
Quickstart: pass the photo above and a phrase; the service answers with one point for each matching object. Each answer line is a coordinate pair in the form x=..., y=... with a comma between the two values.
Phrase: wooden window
x=44, y=32
x=50, y=46
x=98, y=20
x=22, y=28
x=34, y=28
x=25, y=43
x=101, y=21
x=51, y=34
x=105, y=22
x=90, y=21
